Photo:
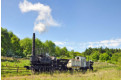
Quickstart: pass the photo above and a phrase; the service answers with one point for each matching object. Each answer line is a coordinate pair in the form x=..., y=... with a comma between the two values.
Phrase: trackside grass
x=102, y=71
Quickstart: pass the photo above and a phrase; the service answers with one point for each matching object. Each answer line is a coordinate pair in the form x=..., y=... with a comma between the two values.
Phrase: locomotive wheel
x=71, y=71
x=80, y=69
x=44, y=69
x=40, y=69
x=51, y=71
x=33, y=71
x=48, y=69
x=91, y=69
x=84, y=70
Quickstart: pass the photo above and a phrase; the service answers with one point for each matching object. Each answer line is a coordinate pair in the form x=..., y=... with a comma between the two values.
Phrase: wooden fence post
x=17, y=69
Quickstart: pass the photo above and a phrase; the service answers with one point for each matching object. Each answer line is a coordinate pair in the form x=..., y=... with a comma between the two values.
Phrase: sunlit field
x=102, y=71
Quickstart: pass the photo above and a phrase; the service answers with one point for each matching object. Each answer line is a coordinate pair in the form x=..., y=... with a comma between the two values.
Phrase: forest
x=13, y=46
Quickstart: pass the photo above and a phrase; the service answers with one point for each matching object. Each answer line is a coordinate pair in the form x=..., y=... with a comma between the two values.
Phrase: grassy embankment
x=102, y=71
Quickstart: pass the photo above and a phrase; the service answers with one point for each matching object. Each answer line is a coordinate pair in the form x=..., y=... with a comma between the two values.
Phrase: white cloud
x=114, y=43
x=70, y=48
x=44, y=18
x=59, y=43
x=106, y=43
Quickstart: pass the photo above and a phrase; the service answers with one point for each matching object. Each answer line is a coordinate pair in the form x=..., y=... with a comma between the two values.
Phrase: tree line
x=12, y=46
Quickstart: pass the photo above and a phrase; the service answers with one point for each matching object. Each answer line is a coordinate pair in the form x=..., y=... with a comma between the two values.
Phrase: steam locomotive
x=45, y=63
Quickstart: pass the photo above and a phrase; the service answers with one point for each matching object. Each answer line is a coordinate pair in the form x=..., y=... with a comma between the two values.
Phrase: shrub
x=104, y=57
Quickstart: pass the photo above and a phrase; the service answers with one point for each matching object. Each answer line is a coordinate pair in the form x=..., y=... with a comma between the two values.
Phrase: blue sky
x=80, y=23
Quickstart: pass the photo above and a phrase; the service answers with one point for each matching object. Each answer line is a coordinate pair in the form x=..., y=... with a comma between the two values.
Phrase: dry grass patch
x=99, y=75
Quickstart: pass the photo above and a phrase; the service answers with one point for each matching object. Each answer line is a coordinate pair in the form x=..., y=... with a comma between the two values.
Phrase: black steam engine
x=45, y=63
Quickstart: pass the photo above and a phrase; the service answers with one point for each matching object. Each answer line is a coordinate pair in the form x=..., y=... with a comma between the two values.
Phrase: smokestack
x=33, y=45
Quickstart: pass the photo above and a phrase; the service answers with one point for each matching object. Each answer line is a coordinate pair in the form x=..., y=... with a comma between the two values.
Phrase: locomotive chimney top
x=33, y=45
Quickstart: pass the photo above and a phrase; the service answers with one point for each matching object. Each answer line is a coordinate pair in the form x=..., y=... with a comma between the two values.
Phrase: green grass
x=8, y=63
x=102, y=71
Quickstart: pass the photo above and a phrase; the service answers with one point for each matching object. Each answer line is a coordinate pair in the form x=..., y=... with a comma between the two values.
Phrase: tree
x=104, y=57
x=77, y=54
x=64, y=52
x=88, y=51
x=5, y=42
x=26, y=45
x=15, y=45
x=71, y=54
x=10, y=44
x=95, y=56
x=101, y=50
x=50, y=47
x=112, y=50
x=119, y=62
x=57, y=51
x=114, y=58
x=38, y=46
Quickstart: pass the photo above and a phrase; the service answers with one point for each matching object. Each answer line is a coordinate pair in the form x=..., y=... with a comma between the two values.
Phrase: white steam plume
x=44, y=18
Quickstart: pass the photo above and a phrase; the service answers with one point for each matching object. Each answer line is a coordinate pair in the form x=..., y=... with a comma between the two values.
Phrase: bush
x=104, y=57
x=95, y=56
x=114, y=58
